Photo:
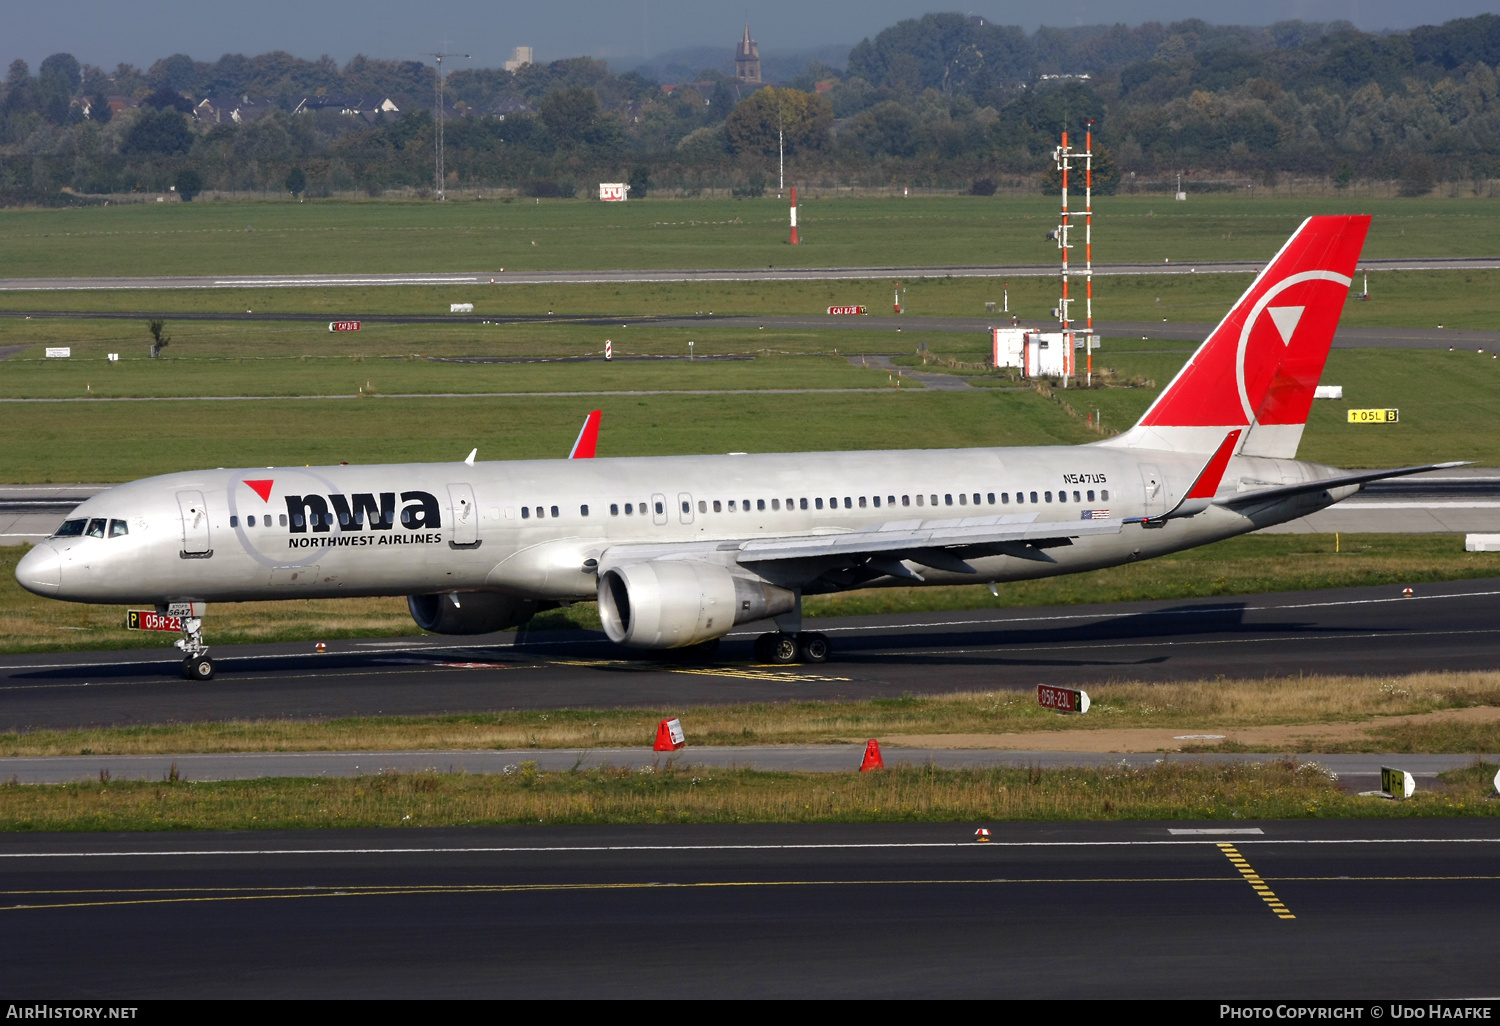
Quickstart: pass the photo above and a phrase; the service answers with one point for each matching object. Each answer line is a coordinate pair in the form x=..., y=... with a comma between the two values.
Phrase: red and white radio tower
x=794, y=216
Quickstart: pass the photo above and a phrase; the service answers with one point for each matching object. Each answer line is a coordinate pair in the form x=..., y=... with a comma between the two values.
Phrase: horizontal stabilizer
x=1343, y=480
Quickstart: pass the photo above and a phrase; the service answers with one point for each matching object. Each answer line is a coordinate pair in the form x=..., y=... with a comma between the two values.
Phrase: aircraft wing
x=1364, y=477
x=940, y=544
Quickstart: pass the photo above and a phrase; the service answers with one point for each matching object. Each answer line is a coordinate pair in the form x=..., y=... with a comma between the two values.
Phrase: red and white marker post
x=795, y=241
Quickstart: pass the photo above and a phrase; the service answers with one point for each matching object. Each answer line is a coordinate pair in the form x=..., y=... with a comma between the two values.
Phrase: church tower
x=747, y=59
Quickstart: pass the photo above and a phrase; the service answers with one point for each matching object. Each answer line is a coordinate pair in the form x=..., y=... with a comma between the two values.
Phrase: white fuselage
x=539, y=529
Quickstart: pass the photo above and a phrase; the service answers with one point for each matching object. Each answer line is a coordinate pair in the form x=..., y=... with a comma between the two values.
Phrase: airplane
x=678, y=550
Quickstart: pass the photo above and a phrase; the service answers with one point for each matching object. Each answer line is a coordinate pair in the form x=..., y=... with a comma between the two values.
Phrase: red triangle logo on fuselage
x=261, y=488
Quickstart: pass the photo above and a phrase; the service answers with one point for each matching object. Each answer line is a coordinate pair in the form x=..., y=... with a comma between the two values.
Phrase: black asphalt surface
x=1370, y=631
x=1346, y=336
x=501, y=277
x=1357, y=910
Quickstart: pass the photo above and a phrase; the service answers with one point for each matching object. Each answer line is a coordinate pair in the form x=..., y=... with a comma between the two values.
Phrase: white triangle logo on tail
x=1286, y=318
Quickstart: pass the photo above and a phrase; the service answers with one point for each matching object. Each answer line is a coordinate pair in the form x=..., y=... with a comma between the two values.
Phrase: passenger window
x=760, y=504
x=991, y=498
x=906, y=500
x=934, y=500
x=118, y=529
x=614, y=509
x=1005, y=498
x=731, y=505
x=96, y=529
x=234, y=521
x=803, y=503
x=525, y=512
x=296, y=519
x=1104, y=495
x=849, y=503
x=1076, y=498
x=862, y=502
x=963, y=500
x=875, y=499
x=1033, y=497
x=818, y=502
x=702, y=506
x=976, y=499
x=583, y=510
x=776, y=504
x=343, y=520
x=1091, y=495
x=1048, y=496
x=555, y=513
x=744, y=505
x=687, y=507
x=718, y=506
x=70, y=529
x=541, y=512
x=629, y=509
x=919, y=500
x=282, y=518
x=661, y=507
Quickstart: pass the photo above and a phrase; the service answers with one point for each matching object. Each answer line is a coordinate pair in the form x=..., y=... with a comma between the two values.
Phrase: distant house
x=220, y=110
x=374, y=109
x=510, y=106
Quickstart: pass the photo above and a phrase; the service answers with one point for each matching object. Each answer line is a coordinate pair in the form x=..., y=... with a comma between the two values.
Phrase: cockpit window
x=118, y=528
x=96, y=529
x=71, y=529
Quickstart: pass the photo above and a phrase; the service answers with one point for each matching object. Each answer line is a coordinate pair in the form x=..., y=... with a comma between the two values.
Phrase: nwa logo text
x=353, y=515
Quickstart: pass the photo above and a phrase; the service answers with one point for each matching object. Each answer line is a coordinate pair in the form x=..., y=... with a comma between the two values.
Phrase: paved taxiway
x=1445, y=626
x=502, y=277
x=1274, y=909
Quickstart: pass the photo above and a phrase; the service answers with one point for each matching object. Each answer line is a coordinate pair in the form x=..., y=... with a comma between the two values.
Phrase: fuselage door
x=195, y=539
x=685, y=507
x=465, y=516
x=1156, y=492
x=659, y=510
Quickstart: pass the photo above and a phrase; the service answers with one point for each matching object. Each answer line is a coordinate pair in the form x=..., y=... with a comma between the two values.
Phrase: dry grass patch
x=1282, y=790
x=1187, y=707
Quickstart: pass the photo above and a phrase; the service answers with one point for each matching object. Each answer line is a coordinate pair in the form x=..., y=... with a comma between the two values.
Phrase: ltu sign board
x=612, y=192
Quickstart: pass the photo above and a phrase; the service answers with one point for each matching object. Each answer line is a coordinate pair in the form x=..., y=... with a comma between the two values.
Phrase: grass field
x=1428, y=710
x=316, y=237
x=1239, y=566
x=1281, y=790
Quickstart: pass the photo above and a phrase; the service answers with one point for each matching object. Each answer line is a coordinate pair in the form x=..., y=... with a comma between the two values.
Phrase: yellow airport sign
x=1374, y=416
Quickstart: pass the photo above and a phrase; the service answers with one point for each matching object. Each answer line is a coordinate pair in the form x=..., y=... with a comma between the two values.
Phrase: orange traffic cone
x=669, y=736
x=873, y=761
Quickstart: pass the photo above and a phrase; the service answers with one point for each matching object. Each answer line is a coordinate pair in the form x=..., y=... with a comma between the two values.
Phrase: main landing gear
x=196, y=665
x=781, y=648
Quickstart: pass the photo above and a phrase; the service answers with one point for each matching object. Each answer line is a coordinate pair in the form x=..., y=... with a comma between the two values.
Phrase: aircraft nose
x=40, y=570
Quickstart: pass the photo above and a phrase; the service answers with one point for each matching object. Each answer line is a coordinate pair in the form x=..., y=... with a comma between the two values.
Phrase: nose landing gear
x=196, y=665
x=782, y=648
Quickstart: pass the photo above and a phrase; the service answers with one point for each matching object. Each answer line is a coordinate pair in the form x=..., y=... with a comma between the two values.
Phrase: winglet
x=1201, y=495
x=469, y=459
x=588, y=438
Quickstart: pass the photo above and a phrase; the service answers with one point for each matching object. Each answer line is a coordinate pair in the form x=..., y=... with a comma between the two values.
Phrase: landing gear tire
x=198, y=668
x=812, y=647
x=777, y=648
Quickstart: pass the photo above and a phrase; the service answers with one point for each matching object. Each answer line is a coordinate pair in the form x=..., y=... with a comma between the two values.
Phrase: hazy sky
x=106, y=33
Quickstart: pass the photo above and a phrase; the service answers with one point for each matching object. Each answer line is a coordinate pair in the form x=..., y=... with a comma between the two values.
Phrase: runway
x=1345, y=337
x=1369, y=631
x=1281, y=910
x=499, y=276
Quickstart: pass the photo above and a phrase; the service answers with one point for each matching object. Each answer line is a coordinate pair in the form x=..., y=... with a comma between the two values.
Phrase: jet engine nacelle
x=672, y=603
x=473, y=612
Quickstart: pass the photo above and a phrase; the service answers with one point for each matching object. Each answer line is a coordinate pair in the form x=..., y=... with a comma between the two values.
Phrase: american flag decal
x=1095, y=514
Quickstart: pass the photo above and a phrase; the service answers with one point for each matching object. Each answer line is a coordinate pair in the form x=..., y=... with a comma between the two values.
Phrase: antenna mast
x=439, y=178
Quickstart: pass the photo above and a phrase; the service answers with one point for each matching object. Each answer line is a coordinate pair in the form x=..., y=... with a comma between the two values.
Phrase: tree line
x=945, y=100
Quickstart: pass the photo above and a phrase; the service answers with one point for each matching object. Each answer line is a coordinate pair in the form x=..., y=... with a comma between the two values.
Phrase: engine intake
x=474, y=612
x=673, y=603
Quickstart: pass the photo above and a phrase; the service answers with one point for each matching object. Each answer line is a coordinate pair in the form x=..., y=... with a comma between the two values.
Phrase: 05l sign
x=1374, y=416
